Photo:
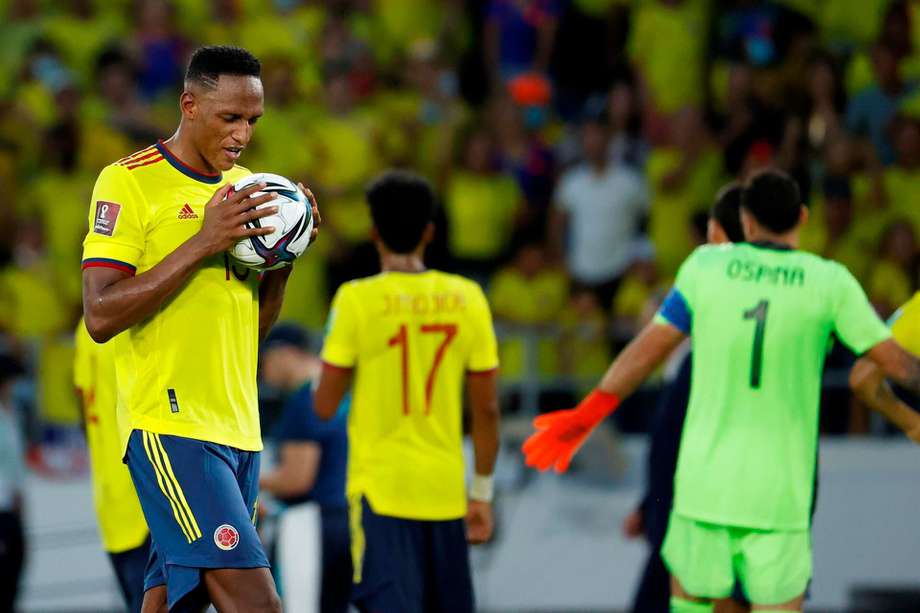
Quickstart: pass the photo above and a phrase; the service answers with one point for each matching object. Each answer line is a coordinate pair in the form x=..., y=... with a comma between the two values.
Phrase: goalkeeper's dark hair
x=727, y=211
x=208, y=63
x=402, y=205
x=774, y=199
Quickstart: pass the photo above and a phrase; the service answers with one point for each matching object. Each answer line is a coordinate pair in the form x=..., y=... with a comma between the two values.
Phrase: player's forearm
x=639, y=359
x=485, y=439
x=868, y=383
x=271, y=297
x=486, y=418
x=893, y=361
x=112, y=309
x=283, y=483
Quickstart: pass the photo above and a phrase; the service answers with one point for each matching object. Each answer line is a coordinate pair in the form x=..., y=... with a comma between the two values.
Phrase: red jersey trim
x=109, y=263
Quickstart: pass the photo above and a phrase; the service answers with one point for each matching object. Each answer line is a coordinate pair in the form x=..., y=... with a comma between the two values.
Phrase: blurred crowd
x=576, y=146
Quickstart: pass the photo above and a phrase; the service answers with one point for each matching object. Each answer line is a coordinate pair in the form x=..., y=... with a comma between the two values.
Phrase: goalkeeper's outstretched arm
x=641, y=357
x=561, y=433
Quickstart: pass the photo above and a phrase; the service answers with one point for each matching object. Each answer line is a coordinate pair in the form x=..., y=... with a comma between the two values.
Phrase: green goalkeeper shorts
x=773, y=566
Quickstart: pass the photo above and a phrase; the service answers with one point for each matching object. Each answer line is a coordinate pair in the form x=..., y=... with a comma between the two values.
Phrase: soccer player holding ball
x=760, y=315
x=411, y=342
x=187, y=321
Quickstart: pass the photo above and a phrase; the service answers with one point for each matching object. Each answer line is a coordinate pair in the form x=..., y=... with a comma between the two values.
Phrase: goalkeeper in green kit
x=760, y=315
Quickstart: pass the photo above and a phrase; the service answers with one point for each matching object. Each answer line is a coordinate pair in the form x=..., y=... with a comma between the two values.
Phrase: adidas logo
x=186, y=212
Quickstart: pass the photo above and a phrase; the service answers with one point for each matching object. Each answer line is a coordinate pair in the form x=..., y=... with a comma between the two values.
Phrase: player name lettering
x=755, y=272
x=423, y=304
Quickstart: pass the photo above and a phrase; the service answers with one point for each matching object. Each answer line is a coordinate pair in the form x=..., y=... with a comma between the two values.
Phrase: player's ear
x=715, y=235
x=428, y=234
x=375, y=237
x=747, y=223
x=188, y=104
x=803, y=215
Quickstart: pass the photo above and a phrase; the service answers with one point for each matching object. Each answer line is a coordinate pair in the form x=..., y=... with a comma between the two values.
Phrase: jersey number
x=759, y=314
x=401, y=339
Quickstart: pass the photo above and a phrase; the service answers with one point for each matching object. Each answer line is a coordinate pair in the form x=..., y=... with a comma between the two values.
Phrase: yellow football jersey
x=905, y=325
x=411, y=339
x=121, y=521
x=190, y=369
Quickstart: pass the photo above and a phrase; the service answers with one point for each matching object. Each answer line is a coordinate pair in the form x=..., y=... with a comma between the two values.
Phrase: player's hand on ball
x=224, y=218
x=317, y=218
x=479, y=522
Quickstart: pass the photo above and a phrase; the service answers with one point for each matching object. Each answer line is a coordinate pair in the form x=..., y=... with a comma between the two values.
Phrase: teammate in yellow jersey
x=868, y=381
x=408, y=341
x=156, y=271
x=121, y=523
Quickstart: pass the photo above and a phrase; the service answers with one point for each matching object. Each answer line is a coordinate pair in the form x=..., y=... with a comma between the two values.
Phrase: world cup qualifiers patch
x=226, y=537
x=106, y=216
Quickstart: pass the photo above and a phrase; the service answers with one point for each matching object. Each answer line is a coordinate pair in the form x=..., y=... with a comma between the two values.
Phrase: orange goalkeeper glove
x=560, y=434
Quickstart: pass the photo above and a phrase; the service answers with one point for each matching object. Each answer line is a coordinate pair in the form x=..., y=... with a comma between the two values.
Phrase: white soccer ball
x=293, y=225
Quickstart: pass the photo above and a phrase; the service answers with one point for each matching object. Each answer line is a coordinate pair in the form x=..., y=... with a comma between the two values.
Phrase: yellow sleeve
x=484, y=355
x=340, y=348
x=116, y=222
x=905, y=325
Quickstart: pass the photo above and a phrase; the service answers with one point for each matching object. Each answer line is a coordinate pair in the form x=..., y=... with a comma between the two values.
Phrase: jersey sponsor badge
x=226, y=537
x=106, y=216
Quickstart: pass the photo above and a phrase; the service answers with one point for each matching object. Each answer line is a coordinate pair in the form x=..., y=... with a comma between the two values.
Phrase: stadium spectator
x=12, y=484
x=627, y=145
x=825, y=101
x=891, y=277
x=584, y=348
x=519, y=37
x=901, y=180
x=599, y=206
x=683, y=176
x=162, y=49
x=80, y=29
x=516, y=122
x=312, y=548
x=832, y=232
x=116, y=103
x=482, y=207
x=870, y=111
x=590, y=33
x=429, y=114
x=670, y=75
x=641, y=284
x=530, y=293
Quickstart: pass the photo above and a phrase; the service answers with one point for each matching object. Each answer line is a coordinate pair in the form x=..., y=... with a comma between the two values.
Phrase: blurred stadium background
x=499, y=103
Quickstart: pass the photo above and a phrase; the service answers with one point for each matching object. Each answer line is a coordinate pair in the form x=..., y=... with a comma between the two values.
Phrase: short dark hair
x=727, y=211
x=402, y=206
x=208, y=63
x=773, y=198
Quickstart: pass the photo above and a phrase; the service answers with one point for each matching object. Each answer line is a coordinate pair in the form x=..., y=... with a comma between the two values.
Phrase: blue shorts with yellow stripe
x=199, y=499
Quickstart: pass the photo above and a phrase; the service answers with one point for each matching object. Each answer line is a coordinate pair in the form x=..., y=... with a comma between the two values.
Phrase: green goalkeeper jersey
x=760, y=317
